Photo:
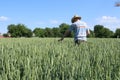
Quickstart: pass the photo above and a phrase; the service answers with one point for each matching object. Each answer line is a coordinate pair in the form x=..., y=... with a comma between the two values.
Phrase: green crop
x=48, y=59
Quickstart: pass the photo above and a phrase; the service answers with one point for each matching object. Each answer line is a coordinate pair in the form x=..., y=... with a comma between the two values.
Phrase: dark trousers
x=77, y=42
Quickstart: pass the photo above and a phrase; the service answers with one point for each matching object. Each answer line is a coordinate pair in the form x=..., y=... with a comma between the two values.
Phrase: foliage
x=48, y=32
x=19, y=30
x=63, y=27
x=5, y=35
x=39, y=32
x=107, y=33
x=56, y=32
x=117, y=33
x=51, y=32
x=102, y=32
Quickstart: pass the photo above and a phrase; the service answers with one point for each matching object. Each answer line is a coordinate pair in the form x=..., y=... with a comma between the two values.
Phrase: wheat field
x=48, y=59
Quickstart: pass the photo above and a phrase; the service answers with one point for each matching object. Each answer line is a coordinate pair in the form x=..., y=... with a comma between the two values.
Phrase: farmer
x=79, y=28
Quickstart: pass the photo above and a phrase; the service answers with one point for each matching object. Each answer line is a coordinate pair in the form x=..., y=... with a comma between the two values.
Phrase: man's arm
x=88, y=31
x=65, y=35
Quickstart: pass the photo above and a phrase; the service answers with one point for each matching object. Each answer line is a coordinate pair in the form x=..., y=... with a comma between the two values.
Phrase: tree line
x=20, y=30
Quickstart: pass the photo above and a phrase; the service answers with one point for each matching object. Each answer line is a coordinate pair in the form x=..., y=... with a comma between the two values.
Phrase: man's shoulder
x=82, y=22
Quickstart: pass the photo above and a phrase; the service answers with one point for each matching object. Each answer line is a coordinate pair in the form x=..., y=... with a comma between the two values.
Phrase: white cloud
x=3, y=18
x=109, y=22
x=54, y=22
x=108, y=19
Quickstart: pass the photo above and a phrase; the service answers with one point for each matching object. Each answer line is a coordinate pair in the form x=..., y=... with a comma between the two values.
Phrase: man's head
x=75, y=18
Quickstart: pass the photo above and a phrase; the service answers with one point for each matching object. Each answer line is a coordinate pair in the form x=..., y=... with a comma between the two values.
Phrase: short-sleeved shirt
x=79, y=28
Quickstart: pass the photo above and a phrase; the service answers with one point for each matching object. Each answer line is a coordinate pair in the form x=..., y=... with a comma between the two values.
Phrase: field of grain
x=48, y=59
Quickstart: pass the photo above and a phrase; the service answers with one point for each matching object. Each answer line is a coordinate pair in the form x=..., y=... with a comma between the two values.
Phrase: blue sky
x=51, y=13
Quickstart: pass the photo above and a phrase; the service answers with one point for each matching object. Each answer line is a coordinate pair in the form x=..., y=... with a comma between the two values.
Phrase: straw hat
x=75, y=17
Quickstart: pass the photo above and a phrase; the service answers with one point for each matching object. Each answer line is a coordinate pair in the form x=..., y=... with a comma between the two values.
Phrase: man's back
x=79, y=28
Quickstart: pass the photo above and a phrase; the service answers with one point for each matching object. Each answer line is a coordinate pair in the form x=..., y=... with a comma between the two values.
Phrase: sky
x=51, y=13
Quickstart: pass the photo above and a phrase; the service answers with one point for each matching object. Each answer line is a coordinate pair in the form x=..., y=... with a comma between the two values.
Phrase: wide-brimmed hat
x=75, y=17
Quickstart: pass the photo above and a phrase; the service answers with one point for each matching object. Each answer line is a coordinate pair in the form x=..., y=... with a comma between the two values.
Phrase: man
x=79, y=28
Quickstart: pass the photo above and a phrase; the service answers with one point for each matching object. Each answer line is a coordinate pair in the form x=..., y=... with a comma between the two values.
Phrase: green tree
x=12, y=29
x=48, y=32
x=99, y=30
x=19, y=30
x=28, y=33
x=63, y=27
x=117, y=33
x=39, y=32
x=107, y=33
x=56, y=32
x=102, y=32
x=5, y=35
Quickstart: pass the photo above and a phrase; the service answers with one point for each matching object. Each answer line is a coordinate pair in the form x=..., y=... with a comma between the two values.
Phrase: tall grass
x=48, y=59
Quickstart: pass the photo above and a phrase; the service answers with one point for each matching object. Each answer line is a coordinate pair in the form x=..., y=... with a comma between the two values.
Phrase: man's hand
x=67, y=32
x=60, y=39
